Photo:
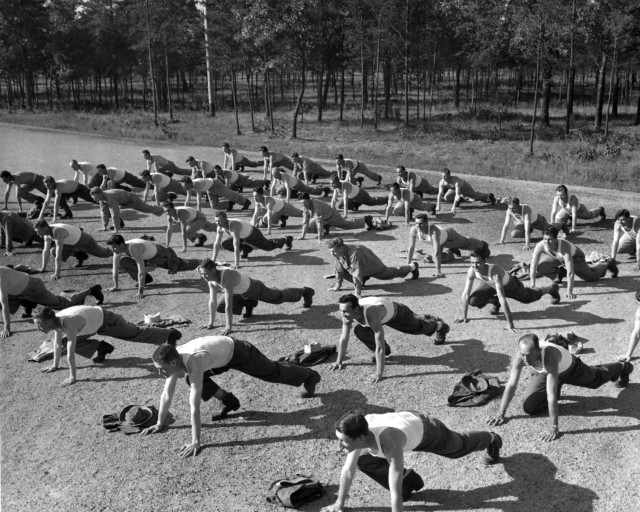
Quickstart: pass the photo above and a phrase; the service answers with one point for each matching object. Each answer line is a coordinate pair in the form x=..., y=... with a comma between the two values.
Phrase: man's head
x=395, y=190
x=222, y=219
x=6, y=176
x=562, y=191
x=422, y=222
x=98, y=194
x=349, y=306
x=117, y=244
x=145, y=176
x=264, y=151
x=168, y=206
x=337, y=247
x=225, y=147
x=207, y=269
x=191, y=161
x=479, y=257
x=167, y=360
x=335, y=182
x=45, y=319
x=529, y=347
x=102, y=169
x=50, y=182
x=42, y=228
x=352, y=430
x=550, y=237
x=624, y=217
x=277, y=173
x=74, y=165
x=147, y=155
x=401, y=171
x=187, y=183
x=295, y=157
x=305, y=201
x=340, y=159
x=513, y=203
x=446, y=174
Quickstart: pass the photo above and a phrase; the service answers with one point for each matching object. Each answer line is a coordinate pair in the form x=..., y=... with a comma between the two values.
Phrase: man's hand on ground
x=154, y=429
x=206, y=326
x=4, y=333
x=461, y=321
x=68, y=382
x=496, y=420
x=551, y=435
x=49, y=369
x=337, y=366
x=190, y=450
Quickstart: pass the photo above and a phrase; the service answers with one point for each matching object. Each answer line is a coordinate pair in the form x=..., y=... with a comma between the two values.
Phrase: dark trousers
x=255, y=239
x=173, y=186
x=87, y=245
x=129, y=179
x=258, y=291
x=404, y=321
x=249, y=360
x=514, y=289
x=438, y=439
x=548, y=267
x=36, y=293
x=81, y=192
x=18, y=229
x=165, y=257
x=578, y=374
x=24, y=191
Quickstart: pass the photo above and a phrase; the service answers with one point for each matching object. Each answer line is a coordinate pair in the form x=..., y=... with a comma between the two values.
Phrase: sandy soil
x=57, y=457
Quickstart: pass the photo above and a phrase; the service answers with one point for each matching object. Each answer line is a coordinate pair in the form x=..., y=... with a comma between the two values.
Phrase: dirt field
x=57, y=457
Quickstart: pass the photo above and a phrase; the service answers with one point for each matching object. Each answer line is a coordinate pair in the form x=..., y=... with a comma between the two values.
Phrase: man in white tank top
x=496, y=285
x=347, y=196
x=200, y=359
x=79, y=323
x=234, y=160
x=162, y=185
x=238, y=181
x=455, y=189
x=20, y=289
x=158, y=163
x=239, y=291
x=635, y=334
x=311, y=170
x=626, y=236
x=136, y=255
x=15, y=228
x=348, y=169
x=24, y=182
x=414, y=181
x=371, y=315
x=553, y=366
x=111, y=201
x=88, y=171
x=61, y=191
x=272, y=160
x=568, y=208
x=376, y=444
x=244, y=237
x=550, y=254
x=117, y=178
x=69, y=241
x=274, y=209
x=524, y=221
x=403, y=202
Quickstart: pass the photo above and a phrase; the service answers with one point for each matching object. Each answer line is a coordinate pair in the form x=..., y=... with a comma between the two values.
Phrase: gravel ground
x=56, y=455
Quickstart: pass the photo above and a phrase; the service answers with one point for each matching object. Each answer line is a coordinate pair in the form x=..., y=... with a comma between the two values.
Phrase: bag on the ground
x=44, y=351
x=303, y=358
x=569, y=342
x=294, y=492
x=380, y=224
x=474, y=389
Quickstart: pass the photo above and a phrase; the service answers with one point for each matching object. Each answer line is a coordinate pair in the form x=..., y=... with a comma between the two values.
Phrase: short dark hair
x=335, y=242
x=165, y=353
x=513, y=201
x=217, y=168
x=189, y=158
x=145, y=174
x=95, y=190
x=187, y=180
x=207, y=263
x=6, y=175
x=552, y=231
x=400, y=168
x=395, y=186
x=146, y=152
x=349, y=298
x=263, y=149
x=44, y=314
x=295, y=155
x=41, y=224
x=51, y=181
x=623, y=213
x=225, y=145
x=306, y=196
x=340, y=157
x=101, y=166
x=352, y=424
x=446, y=171
x=115, y=240
x=562, y=188
x=221, y=213
x=482, y=252
x=259, y=190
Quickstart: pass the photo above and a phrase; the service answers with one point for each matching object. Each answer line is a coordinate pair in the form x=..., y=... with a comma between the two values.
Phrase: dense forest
x=382, y=58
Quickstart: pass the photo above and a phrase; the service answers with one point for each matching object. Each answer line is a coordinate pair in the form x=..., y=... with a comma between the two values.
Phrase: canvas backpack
x=294, y=492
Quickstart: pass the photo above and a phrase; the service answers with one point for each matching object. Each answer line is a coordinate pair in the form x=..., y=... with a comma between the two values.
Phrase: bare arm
x=571, y=274
x=347, y=475
x=115, y=271
x=6, y=195
x=6, y=316
x=503, y=302
x=45, y=253
x=378, y=332
x=466, y=293
x=554, y=209
x=165, y=405
x=633, y=339
x=616, y=240
x=58, y=260
x=535, y=258
x=216, y=245
x=413, y=237
x=343, y=343
x=509, y=390
x=505, y=226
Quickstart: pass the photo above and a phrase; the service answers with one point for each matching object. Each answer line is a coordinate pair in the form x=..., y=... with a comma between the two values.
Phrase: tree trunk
x=319, y=90
x=535, y=95
x=546, y=94
x=637, y=120
x=616, y=96
x=363, y=100
x=386, y=77
x=342, y=91
x=246, y=72
x=613, y=70
x=602, y=79
x=303, y=83
x=167, y=78
x=456, y=89
x=234, y=94
x=153, y=79
x=406, y=66
x=207, y=53
x=375, y=81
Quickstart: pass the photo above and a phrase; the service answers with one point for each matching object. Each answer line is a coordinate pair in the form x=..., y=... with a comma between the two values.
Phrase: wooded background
x=372, y=59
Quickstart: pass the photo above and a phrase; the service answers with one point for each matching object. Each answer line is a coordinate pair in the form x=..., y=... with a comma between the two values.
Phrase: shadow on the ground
x=567, y=311
x=317, y=420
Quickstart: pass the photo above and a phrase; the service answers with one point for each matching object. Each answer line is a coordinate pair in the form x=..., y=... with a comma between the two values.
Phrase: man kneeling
x=386, y=437
x=202, y=358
